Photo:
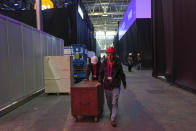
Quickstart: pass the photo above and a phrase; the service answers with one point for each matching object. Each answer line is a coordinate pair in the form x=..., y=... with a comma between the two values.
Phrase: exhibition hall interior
x=103, y=65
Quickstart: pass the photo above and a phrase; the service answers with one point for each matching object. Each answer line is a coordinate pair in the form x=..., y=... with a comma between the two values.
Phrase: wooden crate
x=64, y=64
x=51, y=70
x=58, y=74
x=87, y=99
x=57, y=86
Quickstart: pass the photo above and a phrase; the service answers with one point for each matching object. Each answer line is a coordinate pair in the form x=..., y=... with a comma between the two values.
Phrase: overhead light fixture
x=104, y=15
x=67, y=2
x=46, y=4
x=80, y=12
x=16, y=4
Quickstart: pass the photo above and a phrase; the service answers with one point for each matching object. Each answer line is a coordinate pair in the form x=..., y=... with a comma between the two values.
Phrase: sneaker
x=113, y=123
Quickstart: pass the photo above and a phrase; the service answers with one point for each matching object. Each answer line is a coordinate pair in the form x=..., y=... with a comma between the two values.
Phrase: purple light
x=136, y=9
x=128, y=19
x=143, y=8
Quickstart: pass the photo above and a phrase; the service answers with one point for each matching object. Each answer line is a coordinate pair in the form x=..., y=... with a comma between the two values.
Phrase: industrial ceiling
x=105, y=14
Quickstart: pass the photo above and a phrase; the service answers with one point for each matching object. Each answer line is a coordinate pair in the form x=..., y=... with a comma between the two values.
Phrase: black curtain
x=85, y=29
x=28, y=17
x=174, y=41
x=128, y=43
x=144, y=40
x=162, y=33
x=137, y=39
x=61, y=23
x=184, y=43
x=64, y=23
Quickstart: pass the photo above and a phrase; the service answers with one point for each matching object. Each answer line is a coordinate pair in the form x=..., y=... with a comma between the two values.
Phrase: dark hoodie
x=117, y=75
x=90, y=70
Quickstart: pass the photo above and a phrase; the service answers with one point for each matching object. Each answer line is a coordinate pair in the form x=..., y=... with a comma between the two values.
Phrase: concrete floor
x=148, y=104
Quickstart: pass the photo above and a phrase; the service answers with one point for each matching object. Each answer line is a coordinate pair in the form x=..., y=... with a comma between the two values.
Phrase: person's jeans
x=139, y=66
x=112, y=101
x=129, y=67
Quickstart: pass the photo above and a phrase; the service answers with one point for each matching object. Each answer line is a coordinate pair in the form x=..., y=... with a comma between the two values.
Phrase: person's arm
x=101, y=75
x=123, y=77
x=128, y=59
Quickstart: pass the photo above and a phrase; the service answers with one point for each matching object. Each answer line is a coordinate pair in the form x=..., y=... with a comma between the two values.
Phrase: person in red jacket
x=110, y=76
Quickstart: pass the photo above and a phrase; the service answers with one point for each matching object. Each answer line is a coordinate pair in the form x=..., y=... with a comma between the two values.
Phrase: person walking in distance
x=110, y=76
x=139, y=64
x=130, y=61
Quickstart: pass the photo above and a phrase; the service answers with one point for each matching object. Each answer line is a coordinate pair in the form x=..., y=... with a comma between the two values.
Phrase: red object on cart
x=87, y=100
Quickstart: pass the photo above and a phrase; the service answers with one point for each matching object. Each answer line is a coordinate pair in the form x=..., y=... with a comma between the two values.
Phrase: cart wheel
x=75, y=118
x=95, y=119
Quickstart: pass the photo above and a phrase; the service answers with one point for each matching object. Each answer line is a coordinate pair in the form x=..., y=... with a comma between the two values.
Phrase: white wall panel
x=28, y=58
x=21, y=53
x=49, y=39
x=62, y=47
x=44, y=43
x=58, y=47
x=16, y=74
x=54, y=46
x=4, y=76
x=38, y=57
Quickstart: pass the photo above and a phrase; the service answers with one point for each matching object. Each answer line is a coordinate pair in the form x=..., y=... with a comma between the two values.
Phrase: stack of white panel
x=58, y=74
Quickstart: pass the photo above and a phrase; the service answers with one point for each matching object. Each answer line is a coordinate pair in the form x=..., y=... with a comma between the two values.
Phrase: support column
x=39, y=15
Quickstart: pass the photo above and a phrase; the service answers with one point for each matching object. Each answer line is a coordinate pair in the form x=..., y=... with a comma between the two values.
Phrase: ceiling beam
x=105, y=29
x=104, y=25
x=109, y=4
x=106, y=1
x=105, y=14
x=107, y=19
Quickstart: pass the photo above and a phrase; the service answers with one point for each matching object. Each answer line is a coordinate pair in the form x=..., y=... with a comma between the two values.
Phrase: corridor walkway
x=148, y=104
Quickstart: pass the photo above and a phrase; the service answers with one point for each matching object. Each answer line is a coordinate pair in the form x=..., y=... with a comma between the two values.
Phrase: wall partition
x=22, y=48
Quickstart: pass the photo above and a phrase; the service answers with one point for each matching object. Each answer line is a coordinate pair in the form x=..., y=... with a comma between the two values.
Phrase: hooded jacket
x=117, y=75
x=90, y=70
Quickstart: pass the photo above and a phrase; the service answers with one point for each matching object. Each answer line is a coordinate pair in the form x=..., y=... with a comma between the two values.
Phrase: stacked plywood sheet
x=58, y=74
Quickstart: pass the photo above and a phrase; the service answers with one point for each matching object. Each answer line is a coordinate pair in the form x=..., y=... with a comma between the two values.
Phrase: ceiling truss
x=105, y=15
